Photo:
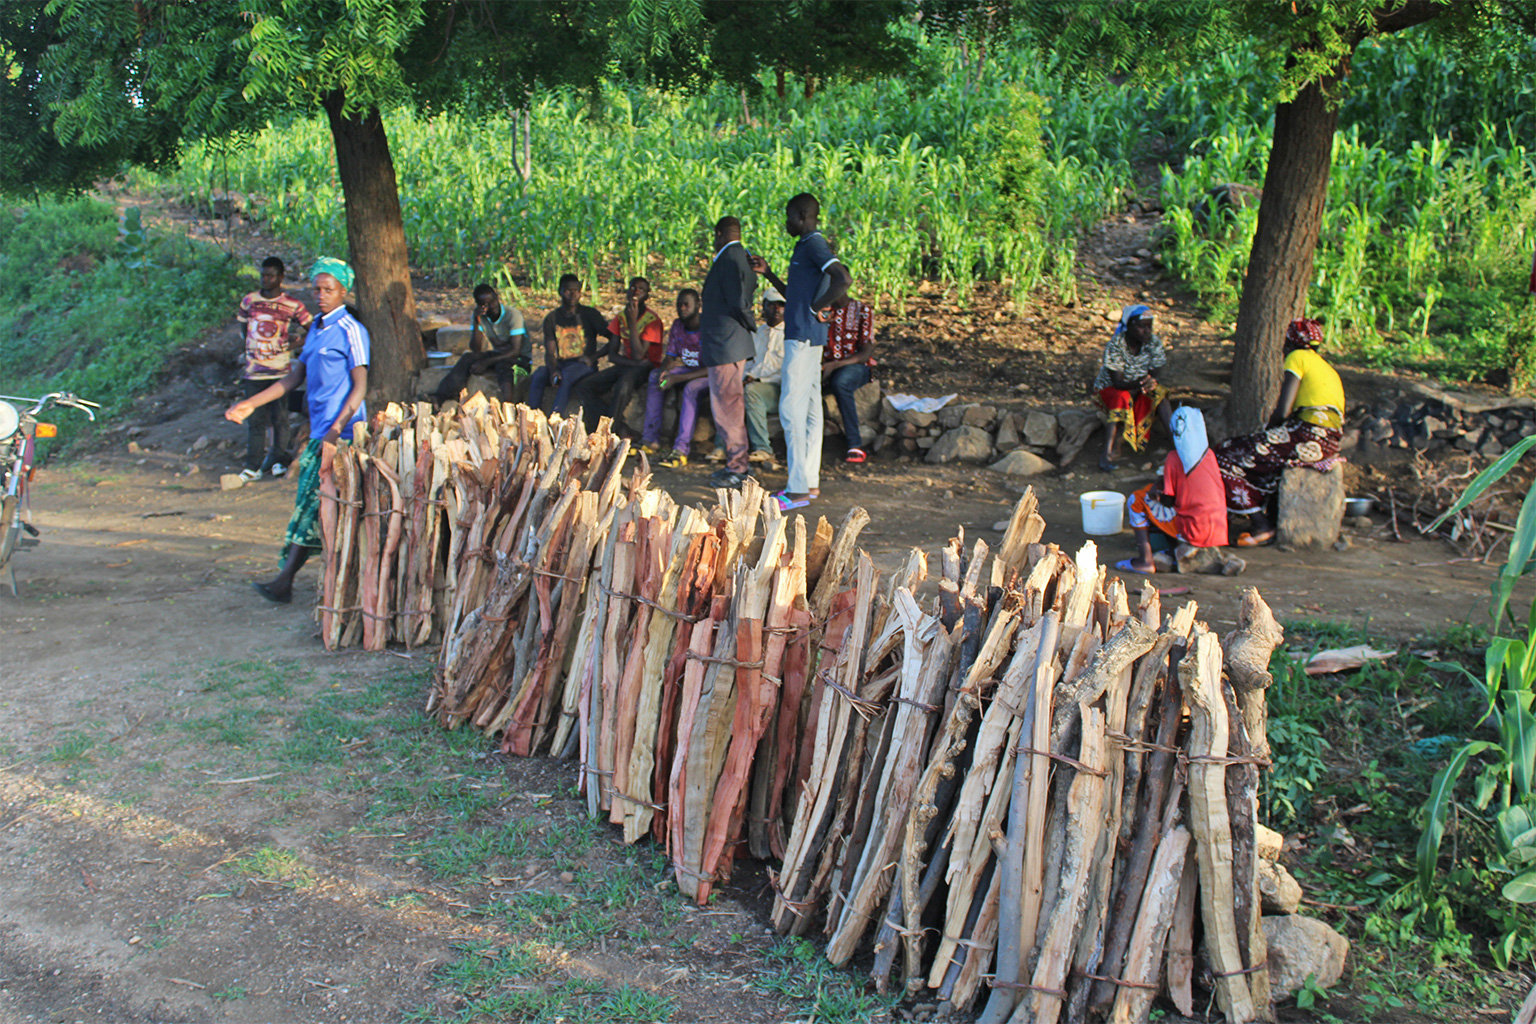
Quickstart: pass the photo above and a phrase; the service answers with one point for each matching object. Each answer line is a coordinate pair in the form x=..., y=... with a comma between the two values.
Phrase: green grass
x=798, y=971
x=80, y=313
x=1354, y=754
x=274, y=864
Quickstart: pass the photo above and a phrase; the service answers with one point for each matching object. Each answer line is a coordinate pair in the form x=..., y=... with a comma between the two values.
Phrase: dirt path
x=203, y=816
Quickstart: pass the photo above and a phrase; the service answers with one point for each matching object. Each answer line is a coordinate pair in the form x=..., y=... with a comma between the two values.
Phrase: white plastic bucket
x=1103, y=512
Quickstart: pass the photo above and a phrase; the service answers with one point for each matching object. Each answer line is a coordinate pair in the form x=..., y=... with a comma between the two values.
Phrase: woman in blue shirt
x=334, y=365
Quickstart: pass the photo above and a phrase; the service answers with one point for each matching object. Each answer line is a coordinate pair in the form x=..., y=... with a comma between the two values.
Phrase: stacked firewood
x=997, y=776
x=1027, y=786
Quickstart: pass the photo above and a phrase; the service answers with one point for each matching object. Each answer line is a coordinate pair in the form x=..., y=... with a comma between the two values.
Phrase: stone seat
x=1311, y=507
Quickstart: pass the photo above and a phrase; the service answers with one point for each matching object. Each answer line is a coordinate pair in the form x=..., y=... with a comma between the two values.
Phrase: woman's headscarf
x=1130, y=313
x=336, y=268
x=1303, y=334
x=1189, y=440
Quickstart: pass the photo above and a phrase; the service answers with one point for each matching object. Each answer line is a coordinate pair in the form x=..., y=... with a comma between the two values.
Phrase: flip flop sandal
x=786, y=503
x=1171, y=591
x=271, y=595
x=1248, y=540
x=1124, y=565
x=855, y=455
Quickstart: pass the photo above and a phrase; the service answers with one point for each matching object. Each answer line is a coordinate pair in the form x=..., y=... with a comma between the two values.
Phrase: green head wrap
x=335, y=267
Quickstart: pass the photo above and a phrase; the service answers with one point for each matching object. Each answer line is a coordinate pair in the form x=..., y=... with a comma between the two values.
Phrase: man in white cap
x=761, y=391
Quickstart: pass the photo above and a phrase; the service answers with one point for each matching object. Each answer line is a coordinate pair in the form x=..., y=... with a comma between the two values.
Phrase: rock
x=1492, y=448
x=567, y=877
x=979, y=416
x=453, y=338
x=962, y=444
x=1007, y=432
x=201, y=443
x=1433, y=426
x=1381, y=430
x=888, y=412
x=1279, y=893
x=193, y=468
x=1001, y=526
x=230, y=482
x=136, y=431
x=1077, y=426
x=952, y=416
x=1311, y=507
x=867, y=401
x=924, y=443
x=1021, y=463
x=1209, y=561
x=430, y=377
x=1350, y=440
x=1268, y=843
x=907, y=430
x=134, y=448
x=1040, y=428
x=918, y=419
x=1361, y=522
x=1299, y=947
x=1343, y=544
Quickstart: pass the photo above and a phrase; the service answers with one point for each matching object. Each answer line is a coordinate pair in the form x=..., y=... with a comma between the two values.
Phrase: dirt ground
x=206, y=817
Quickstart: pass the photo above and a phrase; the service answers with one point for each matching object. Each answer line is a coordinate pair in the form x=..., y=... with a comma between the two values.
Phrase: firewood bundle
x=1024, y=793
x=425, y=502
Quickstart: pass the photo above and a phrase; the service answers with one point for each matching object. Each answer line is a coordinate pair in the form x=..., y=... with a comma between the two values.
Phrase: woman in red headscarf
x=1304, y=430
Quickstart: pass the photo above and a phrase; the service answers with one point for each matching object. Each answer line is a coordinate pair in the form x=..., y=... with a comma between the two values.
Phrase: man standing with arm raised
x=805, y=334
x=725, y=344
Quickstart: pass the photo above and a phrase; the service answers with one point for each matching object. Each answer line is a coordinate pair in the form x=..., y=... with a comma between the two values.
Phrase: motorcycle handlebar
x=65, y=398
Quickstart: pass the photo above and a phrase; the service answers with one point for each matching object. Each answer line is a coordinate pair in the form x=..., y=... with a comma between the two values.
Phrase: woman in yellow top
x=1304, y=431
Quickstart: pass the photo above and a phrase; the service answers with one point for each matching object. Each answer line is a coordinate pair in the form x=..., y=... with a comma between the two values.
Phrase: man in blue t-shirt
x=805, y=333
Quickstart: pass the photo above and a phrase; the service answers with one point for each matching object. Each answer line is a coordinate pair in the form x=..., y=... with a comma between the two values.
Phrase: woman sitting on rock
x=1126, y=385
x=1188, y=509
x=1304, y=431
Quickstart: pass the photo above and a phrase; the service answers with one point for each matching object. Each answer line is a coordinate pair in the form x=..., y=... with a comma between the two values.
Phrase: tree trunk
x=376, y=239
x=1280, y=264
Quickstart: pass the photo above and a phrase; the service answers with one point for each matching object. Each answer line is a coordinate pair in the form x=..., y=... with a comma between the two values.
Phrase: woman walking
x=334, y=366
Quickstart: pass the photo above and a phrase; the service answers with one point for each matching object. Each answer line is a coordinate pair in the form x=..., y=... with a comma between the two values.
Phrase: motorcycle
x=19, y=431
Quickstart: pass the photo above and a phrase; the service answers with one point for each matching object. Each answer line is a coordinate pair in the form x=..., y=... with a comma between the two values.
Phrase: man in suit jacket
x=726, y=343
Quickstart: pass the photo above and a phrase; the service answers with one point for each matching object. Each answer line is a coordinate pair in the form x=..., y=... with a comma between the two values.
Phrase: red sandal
x=855, y=455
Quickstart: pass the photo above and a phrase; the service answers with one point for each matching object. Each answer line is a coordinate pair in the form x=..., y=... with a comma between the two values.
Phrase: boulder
x=1040, y=428
x=952, y=416
x=867, y=401
x=1268, y=843
x=888, y=412
x=1007, y=432
x=1279, y=893
x=1077, y=426
x=962, y=444
x=918, y=419
x=1021, y=463
x=1311, y=507
x=1212, y=561
x=453, y=338
x=430, y=377
x=979, y=416
x=1300, y=947
x=201, y=443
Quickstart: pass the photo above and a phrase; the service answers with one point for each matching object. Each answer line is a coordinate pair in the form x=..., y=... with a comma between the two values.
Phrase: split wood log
x=1134, y=1003
x=694, y=599
x=817, y=797
x=1025, y=527
x=1147, y=819
x=925, y=665
x=701, y=643
x=1023, y=867
x=980, y=948
x=1084, y=823
x=1242, y=790
x=1246, y=652
x=1200, y=679
x=1181, y=940
x=757, y=692
x=788, y=586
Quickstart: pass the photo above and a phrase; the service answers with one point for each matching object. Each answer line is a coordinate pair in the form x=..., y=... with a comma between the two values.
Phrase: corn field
x=1430, y=211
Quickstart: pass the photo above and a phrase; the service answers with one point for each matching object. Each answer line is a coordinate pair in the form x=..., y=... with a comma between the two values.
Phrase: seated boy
x=846, y=364
x=680, y=367
x=571, y=331
x=509, y=352
x=636, y=350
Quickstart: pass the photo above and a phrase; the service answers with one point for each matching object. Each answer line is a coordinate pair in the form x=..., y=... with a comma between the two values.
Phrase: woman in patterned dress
x=1127, y=385
x=1304, y=431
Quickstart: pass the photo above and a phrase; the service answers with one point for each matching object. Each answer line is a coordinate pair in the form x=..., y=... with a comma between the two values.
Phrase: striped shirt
x=337, y=343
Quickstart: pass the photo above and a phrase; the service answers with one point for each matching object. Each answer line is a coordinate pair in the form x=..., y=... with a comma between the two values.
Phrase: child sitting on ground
x=680, y=367
x=1189, y=508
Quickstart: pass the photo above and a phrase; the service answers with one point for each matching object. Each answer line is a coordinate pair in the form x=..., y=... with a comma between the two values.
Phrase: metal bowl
x=1359, y=506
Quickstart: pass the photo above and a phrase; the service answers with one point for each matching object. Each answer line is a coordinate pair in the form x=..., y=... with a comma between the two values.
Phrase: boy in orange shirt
x=269, y=315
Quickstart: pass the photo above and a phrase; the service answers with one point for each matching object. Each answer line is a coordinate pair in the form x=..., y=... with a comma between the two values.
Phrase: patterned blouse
x=1133, y=366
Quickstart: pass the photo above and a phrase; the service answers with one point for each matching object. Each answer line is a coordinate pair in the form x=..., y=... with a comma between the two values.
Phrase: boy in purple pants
x=681, y=368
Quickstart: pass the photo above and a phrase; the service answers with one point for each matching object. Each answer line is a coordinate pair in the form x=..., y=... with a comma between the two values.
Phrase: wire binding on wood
x=709, y=659
x=1064, y=759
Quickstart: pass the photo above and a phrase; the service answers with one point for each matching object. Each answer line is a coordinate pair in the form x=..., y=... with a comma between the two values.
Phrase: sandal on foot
x=1125, y=565
x=1106, y=465
x=855, y=455
x=677, y=460
x=272, y=595
x=786, y=502
x=1248, y=540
